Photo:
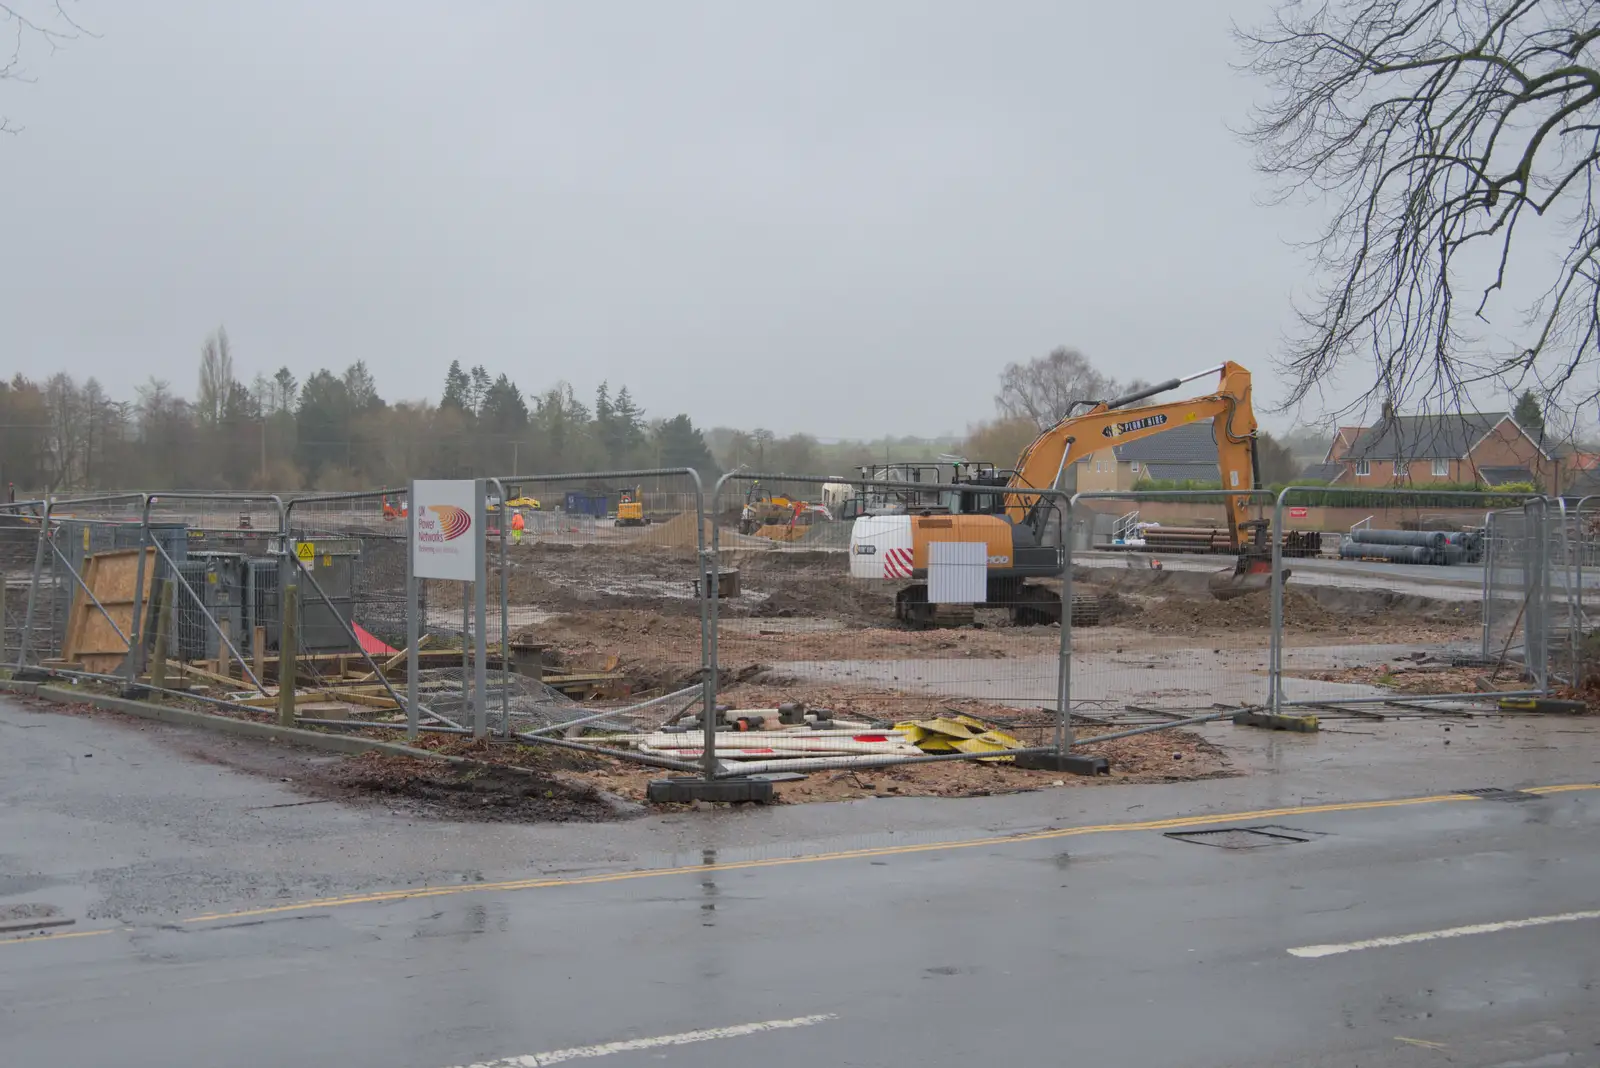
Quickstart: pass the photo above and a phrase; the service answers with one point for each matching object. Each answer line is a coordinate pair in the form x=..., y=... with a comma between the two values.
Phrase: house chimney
x=1388, y=409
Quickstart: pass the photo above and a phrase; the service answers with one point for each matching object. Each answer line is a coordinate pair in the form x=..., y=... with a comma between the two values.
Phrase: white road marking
x=1448, y=932
x=578, y=1053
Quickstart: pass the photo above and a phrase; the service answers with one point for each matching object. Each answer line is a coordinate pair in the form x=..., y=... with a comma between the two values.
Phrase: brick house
x=1487, y=448
x=1186, y=453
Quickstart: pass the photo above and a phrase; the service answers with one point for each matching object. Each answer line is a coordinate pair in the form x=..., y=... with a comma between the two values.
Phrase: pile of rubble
x=793, y=738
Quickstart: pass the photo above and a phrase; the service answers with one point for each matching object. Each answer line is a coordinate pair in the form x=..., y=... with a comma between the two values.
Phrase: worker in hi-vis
x=517, y=524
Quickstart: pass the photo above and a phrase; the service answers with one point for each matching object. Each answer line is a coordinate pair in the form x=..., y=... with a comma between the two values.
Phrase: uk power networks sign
x=444, y=543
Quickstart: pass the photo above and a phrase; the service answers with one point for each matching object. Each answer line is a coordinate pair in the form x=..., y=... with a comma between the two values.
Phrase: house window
x=1361, y=469
x=1441, y=468
x=1136, y=467
x=1399, y=468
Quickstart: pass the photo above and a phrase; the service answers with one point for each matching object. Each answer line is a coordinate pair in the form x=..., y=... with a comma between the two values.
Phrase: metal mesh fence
x=1505, y=589
x=1179, y=634
x=600, y=616
x=879, y=619
x=346, y=556
x=1411, y=602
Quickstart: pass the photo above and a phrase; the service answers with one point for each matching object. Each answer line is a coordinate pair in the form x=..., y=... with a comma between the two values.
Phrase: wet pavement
x=1064, y=926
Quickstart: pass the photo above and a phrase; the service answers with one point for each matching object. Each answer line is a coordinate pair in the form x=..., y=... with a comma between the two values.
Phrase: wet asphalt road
x=1120, y=946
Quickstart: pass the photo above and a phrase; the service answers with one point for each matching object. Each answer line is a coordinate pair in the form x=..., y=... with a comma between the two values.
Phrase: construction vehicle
x=1012, y=525
x=762, y=509
x=630, y=509
x=394, y=511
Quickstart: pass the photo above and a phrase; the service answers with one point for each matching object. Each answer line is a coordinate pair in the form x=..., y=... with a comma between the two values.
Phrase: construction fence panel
x=93, y=606
x=844, y=642
x=1583, y=525
x=346, y=554
x=20, y=527
x=59, y=628
x=1167, y=645
x=1407, y=603
x=1556, y=606
x=1506, y=549
x=595, y=624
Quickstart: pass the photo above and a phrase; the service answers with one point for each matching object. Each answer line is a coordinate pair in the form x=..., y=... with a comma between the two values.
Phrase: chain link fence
x=865, y=622
x=798, y=623
x=1416, y=599
x=599, y=610
x=1181, y=633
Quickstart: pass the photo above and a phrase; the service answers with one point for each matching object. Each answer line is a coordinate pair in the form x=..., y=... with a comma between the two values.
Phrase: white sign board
x=445, y=543
x=958, y=572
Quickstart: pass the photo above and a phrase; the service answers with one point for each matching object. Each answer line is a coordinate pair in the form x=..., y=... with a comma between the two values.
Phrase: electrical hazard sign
x=305, y=551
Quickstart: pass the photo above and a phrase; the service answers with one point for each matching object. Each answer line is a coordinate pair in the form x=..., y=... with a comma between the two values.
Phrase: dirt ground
x=1424, y=678
x=632, y=597
x=801, y=606
x=1166, y=756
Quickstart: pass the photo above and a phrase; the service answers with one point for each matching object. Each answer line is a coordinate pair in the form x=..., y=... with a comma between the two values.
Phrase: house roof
x=1346, y=434
x=1182, y=472
x=1321, y=472
x=1186, y=443
x=1424, y=437
x=1499, y=476
x=1585, y=484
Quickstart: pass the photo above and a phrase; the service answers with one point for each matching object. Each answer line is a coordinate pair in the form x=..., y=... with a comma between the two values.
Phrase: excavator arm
x=1233, y=424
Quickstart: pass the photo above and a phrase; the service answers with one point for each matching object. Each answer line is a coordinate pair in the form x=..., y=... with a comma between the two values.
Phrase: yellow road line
x=55, y=937
x=852, y=854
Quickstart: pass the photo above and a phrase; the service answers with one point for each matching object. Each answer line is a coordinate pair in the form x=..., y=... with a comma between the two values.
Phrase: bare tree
x=216, y=378
x=1046, y=389
x=1445, y=133
x=27, y=24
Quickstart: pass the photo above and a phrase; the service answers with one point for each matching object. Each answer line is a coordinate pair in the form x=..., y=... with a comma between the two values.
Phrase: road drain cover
x=1494, y=793
x=1238, y=837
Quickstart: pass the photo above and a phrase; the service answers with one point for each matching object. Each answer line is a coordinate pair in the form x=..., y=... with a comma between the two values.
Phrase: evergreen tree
x=1529, y=415
x=679, y=444
x=456, y=386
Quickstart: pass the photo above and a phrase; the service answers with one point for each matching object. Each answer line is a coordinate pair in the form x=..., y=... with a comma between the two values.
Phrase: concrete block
x=1072, y=763
x=683, y=790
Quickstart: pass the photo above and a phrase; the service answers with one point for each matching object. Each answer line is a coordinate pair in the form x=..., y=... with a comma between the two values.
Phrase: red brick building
x=1486, y=448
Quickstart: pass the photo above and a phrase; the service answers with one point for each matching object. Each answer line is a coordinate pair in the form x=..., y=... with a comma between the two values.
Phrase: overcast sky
x=838, y=217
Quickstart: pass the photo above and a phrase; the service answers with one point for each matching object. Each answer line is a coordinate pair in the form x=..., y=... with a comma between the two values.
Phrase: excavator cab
x=1252, y=570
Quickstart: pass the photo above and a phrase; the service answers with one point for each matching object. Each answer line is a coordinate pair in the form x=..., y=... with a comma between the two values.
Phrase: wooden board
x=91, y=642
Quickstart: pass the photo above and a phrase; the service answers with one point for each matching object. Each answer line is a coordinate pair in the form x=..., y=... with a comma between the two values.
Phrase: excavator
x=1011, y=525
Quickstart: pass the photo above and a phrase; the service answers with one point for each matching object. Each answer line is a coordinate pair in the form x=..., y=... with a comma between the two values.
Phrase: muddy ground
x=637, y=604
x=541, y=784
x=634, y=600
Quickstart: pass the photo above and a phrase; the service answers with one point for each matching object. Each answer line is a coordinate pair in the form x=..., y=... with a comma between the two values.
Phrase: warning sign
x=305, y=551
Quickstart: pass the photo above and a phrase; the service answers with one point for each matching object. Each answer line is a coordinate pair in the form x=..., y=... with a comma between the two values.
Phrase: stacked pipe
x=1436, y=547
x=1187, y=539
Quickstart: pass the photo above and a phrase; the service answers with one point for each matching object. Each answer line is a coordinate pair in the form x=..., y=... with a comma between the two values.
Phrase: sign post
x=480, y=652
x=447, y=518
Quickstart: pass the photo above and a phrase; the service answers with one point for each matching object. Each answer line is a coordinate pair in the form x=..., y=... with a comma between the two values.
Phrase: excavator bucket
x=1249, y=575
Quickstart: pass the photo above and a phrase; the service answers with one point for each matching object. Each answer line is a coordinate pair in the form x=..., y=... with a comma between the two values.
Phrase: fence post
x=288, y=649
x=708, y=717
x=1275, y=634
x=158, y=665
x=413, y=623
x=1486, y=612
x=136, y=625
x=480, y=598
x=505, y=609
x=26, y=639
x=1064, y=654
